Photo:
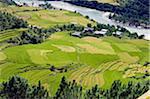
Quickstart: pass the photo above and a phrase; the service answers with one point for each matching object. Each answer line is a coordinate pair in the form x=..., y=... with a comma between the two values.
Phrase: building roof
x=88, y=28
x=118, y=33
x=99, y=32
x=104, y=30
x=76, y=33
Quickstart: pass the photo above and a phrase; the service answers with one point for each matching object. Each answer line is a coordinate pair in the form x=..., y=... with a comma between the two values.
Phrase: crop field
x=15, y=9
x=88, y=60
x=46, y=18
x=5, y=35
x=33, y=61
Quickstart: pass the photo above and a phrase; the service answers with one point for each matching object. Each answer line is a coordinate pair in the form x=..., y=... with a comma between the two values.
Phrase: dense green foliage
x=37, y=35
x=9, y=2
x=18, y=88
x=133, y=11
x=46, y=6
x=8, y=21
x=70, y=90
x=34, y=35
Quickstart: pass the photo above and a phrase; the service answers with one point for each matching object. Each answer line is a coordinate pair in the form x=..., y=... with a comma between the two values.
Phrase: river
x=98, y=16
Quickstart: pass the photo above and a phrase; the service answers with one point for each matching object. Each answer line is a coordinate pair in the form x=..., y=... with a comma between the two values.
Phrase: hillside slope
x=9, y=2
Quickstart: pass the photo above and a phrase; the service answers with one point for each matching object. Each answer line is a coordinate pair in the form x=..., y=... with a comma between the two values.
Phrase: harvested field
x=92, y=49
x=65, y=48
x=92, y=39
x=38, y=55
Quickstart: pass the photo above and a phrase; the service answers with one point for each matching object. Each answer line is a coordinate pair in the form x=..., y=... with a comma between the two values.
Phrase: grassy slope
x=46, y=18
x=96, y=61
x=100, y=69
x=51, y=18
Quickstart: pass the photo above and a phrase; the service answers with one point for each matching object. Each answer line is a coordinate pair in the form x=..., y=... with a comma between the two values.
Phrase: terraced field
x=5, y=35
x=46, y=18
x=33, y=61
x=88, y=60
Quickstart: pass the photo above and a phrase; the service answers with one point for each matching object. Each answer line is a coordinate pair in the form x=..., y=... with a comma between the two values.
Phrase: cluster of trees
x=129, y=12
x=112, y=31
x=8, y=2
x=70, y=27
x=36, y=35
x=46, y=5
x=33, y=35
x=132, y=13
x=18, y=88
x=70, y=90
x=8, y=21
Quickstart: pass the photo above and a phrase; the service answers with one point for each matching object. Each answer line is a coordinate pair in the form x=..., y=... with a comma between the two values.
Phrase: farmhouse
x=88, y=29
x=117, y=33
x=99, y=33
x=103, y=31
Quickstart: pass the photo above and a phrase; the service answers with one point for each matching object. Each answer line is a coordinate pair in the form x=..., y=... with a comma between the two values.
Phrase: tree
x=89, y=25
x=8, y=21
x=93, y=93
x=38, y=92
x=133, y=36
x=68, y=90
x=15, y=88
x=46, y=5
x=109, y=33
x=18, y=88
x=141, y=37
x=128, y=11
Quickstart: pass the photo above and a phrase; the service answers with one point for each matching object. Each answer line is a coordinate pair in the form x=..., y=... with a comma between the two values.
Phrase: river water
x=98, y=16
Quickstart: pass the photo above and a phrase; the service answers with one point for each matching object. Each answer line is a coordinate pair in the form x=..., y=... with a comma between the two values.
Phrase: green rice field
x=89, y=60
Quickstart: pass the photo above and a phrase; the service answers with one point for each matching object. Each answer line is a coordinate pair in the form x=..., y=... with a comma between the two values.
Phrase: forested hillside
x=9, y=2
x=9, y=21
x=133, y=12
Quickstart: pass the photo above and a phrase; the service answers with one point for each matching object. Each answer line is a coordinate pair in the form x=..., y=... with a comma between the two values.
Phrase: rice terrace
x=48, y=49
